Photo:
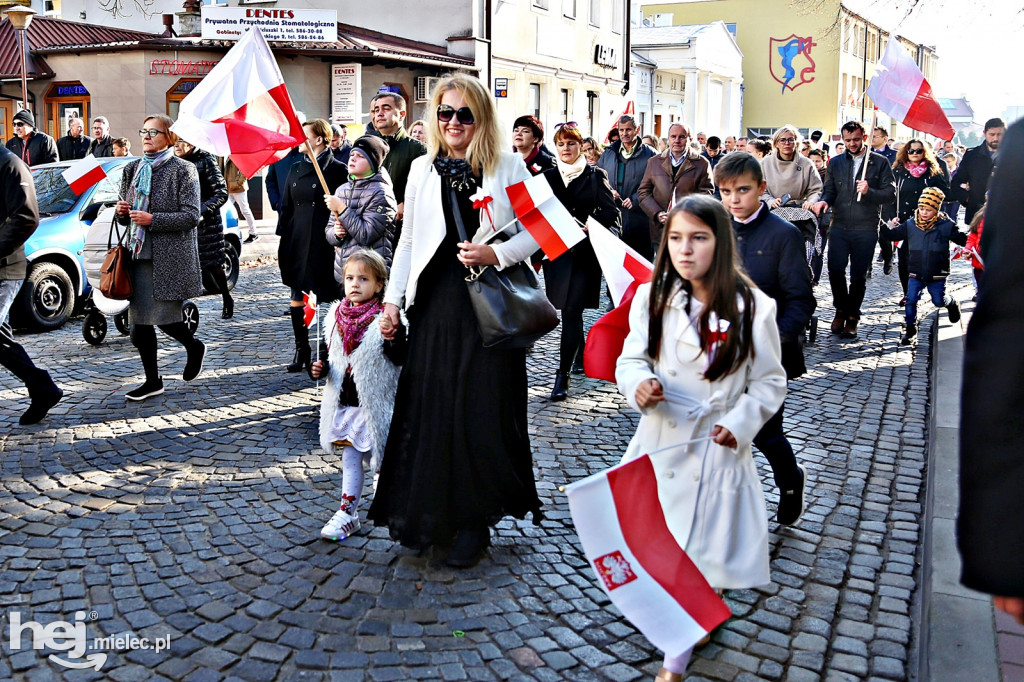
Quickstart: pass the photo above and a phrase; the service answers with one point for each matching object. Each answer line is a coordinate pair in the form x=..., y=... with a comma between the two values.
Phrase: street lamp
x=20, y=17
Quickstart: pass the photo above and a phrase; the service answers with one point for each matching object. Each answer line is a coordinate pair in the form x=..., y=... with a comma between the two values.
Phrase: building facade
x=807, y=64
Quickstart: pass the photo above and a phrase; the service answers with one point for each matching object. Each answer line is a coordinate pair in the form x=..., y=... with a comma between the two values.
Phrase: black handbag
x=511, y=309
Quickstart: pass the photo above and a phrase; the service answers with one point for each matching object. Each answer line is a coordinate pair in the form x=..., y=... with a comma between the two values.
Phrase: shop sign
x=501, y=87
x=605, y=55
x=71, y=91
x=180, y=67
x=346, y=89
x=285, y=25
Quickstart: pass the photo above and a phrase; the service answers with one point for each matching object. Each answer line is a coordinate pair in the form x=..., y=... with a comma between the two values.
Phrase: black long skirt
x=458, y=452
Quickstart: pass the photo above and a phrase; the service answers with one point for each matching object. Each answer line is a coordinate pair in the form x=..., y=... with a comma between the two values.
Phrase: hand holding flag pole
x=867, y=152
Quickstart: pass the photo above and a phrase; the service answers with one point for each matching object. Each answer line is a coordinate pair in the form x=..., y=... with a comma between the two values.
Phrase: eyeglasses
x=18, y=124
x=787, y=140
x=915, y=151
x=463, y=114
x=151, y=133
x=570, y=125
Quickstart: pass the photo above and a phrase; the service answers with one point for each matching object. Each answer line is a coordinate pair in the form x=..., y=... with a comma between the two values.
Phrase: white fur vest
x=376, y=380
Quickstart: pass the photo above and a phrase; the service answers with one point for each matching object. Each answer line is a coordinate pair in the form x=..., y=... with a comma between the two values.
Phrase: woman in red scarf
x=914, y=169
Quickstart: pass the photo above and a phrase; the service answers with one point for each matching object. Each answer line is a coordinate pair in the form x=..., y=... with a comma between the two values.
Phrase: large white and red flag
x=638, y=561
x=81, y=175
x=624, y=270
x=901, y=91
x=544, y=216
x=242, y=109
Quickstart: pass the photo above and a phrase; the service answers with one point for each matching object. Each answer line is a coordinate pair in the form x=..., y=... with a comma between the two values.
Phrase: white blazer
x=711, y=495
x=424, y=228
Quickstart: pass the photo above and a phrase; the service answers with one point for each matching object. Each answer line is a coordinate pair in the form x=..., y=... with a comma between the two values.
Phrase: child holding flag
x=702, y=365
x=362, y=377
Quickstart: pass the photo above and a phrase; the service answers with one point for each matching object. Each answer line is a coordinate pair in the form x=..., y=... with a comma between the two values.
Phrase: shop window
x=64, y=101
x=178, y=93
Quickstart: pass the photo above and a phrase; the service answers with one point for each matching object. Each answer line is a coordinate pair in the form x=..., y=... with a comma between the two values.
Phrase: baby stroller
x=97, y=307
x=807, y=223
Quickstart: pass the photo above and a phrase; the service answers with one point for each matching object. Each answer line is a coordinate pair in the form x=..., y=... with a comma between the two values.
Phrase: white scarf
x=571, y=171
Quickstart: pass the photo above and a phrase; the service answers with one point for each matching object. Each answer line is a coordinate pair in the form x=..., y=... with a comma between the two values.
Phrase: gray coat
x=174, y=203
x=633, y=219
x=369, y=220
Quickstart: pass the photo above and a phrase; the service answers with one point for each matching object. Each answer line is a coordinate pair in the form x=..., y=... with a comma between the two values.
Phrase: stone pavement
x=196, y=515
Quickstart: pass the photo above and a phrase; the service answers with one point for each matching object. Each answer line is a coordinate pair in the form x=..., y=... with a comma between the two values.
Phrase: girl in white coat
x=702, y=365
x=362, y=377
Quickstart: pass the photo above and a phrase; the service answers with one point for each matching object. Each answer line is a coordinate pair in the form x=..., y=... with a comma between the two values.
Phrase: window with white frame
x=535, y=99
x=595, y=12
x=569, y=9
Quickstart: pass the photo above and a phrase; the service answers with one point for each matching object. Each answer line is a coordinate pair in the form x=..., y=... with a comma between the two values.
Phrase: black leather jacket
x=840, y=192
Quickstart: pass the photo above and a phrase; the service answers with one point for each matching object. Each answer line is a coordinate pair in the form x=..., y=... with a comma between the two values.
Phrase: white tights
x=352, y=461
x=677, y=664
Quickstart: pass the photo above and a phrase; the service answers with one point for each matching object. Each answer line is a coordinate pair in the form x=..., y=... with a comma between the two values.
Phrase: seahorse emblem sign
x=790, y=61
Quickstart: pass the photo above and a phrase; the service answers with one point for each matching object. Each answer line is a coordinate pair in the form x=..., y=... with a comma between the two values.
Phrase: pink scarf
x=916, y=169
x=353, y=321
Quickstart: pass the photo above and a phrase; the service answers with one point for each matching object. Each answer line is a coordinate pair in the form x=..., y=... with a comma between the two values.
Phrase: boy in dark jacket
x=928, y=235
x=773, y=255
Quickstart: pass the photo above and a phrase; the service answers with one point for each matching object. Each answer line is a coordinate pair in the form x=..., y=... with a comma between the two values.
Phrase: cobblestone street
x=196, y=514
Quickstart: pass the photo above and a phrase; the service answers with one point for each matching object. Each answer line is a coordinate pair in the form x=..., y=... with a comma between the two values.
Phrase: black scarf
x=457, y=171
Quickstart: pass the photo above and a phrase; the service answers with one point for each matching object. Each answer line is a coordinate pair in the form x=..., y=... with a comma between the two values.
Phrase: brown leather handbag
x=115, y=275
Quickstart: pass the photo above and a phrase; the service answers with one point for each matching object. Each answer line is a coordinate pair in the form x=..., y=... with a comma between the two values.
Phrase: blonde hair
x=167, y=122
x=788, y=128
x=373, y=262
x=321, y=128
x=484, y=150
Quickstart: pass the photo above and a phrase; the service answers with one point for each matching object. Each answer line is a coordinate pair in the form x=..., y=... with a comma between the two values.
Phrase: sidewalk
x=962, y=636
x=267, y=243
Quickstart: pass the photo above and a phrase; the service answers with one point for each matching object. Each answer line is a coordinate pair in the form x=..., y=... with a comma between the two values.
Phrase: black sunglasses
x=915, y=151
x=463, y=114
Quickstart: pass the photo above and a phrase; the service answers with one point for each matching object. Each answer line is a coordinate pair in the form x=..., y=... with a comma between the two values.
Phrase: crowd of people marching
x=386, y=228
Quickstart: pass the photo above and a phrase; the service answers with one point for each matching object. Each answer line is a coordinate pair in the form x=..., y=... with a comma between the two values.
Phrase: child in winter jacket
x=362, y=377
x=973, y=245
x=363, y=209
x=928, y=235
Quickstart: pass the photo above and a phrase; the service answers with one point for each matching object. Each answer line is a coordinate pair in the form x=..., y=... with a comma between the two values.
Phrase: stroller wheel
x=121, y=322
x=190, y=313
x=94, y=328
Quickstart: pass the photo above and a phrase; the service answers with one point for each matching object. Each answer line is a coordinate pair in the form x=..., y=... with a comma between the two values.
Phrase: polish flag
x=83, y=174
x=624, y=270
x=900, y=90
x=544, y=216
x=242, y=109
x=309, y=309
x=637, y=559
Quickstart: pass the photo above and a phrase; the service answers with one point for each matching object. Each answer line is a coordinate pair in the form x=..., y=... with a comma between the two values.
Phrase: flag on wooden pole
x=83, y=174
x=900, y=89
x=544, y=216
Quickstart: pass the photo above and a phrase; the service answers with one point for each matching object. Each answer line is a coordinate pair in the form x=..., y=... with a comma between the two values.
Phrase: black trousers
x=774, y=445
x=14, y=358
x=853, y=247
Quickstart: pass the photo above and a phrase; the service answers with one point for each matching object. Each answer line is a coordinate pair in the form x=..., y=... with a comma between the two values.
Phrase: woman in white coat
x=458, y=453
x=702, y=364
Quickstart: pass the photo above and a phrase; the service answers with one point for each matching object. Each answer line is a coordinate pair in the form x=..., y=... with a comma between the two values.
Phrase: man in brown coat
x=677, y=171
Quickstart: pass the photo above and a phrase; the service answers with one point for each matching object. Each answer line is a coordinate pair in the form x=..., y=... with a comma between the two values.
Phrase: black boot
x=302, y=351
x=468, y=548
x=577, y=363
x=41, y=389
x=908, y=337
x=561, y=388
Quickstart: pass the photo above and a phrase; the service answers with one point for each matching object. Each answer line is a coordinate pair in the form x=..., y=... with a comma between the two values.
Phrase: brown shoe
x=837, y=324
x=666, y=676
x=850, y=330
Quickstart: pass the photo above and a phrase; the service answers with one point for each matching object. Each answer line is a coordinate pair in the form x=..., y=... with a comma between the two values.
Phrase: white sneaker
x=341, y=526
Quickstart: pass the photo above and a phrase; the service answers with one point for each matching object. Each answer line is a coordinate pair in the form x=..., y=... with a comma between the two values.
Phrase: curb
x=957, y=625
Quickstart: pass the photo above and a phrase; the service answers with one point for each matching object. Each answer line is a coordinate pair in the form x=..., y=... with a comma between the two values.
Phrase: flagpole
x=867, y=152
x=319, y=173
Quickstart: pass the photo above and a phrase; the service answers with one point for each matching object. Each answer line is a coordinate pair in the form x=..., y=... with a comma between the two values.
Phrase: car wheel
x=94, y=328
x=47, y=298
x=230, y=265
x=121, y=322
x=190, y=315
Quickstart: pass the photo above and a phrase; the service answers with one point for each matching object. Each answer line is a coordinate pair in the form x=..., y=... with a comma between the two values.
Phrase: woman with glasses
x=573, y=280
x=792, y=177
x=914, y=169
x=159, y=204
x=458, y=454
x=304, y=256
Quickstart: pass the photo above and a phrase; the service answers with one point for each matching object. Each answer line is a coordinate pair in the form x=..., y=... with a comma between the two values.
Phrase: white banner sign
x=286, y=25
x=346, y=87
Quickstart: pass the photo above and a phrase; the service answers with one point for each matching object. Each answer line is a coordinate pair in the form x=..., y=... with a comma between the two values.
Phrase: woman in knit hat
x=363, y=209
x=528, y=140
x=915, y=169
x=927, y=236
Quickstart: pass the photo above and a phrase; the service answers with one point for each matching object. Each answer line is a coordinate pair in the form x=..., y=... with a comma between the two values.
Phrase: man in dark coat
x=970, y=182
x=277, y=174
x=28, y=144
x=625, y=162
x=74, y=145
x=854, y=230
x=773, y=254
x=990, y=527
x=19, y=218
x=387, y=110
x=671, y=175
x=102, y=143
